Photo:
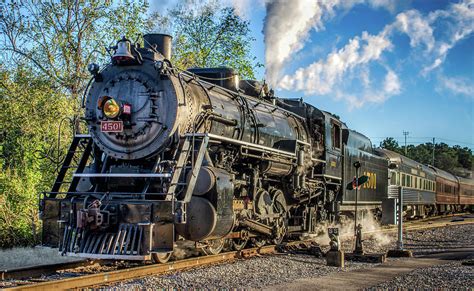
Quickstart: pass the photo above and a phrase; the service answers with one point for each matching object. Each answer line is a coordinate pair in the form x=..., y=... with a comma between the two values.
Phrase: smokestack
x=160, y=42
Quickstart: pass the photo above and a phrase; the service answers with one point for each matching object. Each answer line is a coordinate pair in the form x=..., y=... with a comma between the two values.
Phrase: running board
x=122, y=175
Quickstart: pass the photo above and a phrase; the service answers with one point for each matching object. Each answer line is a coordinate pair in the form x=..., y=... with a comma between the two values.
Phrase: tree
x=45, y=48
x=209, y=36
x=57, y=39
x=446, y=158
x=465, y=157
x=423, y=153
x=390, y=144
x=31, y=113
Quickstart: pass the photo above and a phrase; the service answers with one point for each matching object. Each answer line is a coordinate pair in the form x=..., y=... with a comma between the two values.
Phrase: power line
x=400, y=138
x=463, y=142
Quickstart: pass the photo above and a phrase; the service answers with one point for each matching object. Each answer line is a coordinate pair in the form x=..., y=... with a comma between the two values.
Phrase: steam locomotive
x=202, y=156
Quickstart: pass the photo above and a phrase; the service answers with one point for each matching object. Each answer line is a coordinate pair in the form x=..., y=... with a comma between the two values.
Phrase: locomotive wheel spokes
x=161, y=258
x=239, y=244
x=214, y=246
x=258, y=242
x=281, y=229
x=263, y=204
x=281, y=224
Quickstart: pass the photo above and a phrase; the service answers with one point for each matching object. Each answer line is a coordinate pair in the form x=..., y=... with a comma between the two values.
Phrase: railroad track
x=47, y=269
x=416, y=225
x=155, y=269
x=105, y=278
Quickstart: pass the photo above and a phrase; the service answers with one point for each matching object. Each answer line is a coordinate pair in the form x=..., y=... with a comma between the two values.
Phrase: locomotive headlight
x=111, y=108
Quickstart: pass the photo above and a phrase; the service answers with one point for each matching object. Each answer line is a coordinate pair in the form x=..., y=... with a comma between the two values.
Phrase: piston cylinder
x=209, y=213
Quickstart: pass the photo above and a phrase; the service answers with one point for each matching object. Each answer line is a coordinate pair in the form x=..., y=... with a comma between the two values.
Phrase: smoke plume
x=286, y=27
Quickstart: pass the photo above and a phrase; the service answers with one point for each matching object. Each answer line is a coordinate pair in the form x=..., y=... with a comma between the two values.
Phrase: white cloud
x=243, y=7
x=321, y=76
x=391, y=83
x=460, y=17
x=365, y=77
x=328, y=75
x=288, y=24
x=416, y=27
x=391, y=87
x=458, y=85
x=390, y=5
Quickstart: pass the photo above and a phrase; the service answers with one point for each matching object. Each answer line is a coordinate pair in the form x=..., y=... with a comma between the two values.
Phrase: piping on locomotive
x=198, y=155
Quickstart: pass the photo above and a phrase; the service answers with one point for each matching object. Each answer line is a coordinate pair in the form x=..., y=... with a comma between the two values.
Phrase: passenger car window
x=393, y=178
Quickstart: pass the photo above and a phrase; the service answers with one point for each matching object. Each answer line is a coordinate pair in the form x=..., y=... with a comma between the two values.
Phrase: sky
x=383, y=66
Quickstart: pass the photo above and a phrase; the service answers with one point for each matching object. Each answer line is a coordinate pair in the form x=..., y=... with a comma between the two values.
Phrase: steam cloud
x=346, y=231
x=286, y=28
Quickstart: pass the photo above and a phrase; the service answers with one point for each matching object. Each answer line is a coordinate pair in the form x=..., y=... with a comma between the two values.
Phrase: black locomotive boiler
x=198, y=155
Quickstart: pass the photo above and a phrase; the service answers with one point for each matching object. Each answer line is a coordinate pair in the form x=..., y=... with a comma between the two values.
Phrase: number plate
x=111, y=126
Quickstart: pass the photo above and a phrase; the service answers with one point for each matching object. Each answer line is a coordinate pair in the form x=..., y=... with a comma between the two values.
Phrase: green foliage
x=209, y=36
x=59, y=38
x=390, y=144
x=45, y=48
x=446, y=158
x=465, y=157
x=30, y=117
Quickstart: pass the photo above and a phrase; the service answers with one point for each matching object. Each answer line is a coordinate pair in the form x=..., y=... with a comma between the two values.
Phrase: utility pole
x=432, y=162
x=405, y=133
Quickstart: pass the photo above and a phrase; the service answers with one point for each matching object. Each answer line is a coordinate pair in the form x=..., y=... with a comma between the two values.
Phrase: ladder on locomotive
x=191, y=156
x=76, y=160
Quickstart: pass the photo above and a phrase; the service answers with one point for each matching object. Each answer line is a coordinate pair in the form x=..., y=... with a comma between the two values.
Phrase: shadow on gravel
x=431, y=241
x=453, y=254
x=302, y=261
x=440, y=248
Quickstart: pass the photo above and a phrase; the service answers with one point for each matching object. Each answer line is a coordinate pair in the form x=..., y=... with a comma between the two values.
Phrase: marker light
x=111, y=108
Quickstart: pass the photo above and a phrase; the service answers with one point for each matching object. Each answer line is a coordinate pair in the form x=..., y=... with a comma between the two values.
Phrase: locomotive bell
x=123, y=51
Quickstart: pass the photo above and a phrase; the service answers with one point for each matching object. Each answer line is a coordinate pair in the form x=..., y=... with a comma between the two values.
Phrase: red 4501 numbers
x=111, y=126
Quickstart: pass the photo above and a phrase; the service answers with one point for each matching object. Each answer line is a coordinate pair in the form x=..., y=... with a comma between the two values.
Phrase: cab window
x=336, y=136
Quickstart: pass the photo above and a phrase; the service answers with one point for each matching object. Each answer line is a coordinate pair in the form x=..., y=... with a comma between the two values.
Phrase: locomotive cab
x=334, y=146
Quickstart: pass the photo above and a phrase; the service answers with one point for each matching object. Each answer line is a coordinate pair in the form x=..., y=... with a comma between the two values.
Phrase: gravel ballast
x=450, y=276
x=265, y=271
x=256, y=272
x=268, y=271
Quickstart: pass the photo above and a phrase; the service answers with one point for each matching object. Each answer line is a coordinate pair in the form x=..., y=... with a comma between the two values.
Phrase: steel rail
x=47, y=269
x=413, y=225
x=143, y=271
